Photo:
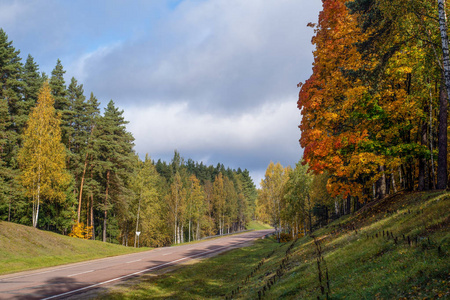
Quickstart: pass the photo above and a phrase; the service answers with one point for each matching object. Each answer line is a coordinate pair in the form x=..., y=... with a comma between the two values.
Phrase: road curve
x=69, y=280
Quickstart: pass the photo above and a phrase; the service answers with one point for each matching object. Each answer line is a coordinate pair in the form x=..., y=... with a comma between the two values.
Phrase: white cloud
x=249, y=140
x=215, y=79
x=164, y=128
x=223, y=55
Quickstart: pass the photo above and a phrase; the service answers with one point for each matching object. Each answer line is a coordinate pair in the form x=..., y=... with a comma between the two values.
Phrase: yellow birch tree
x=42, y=157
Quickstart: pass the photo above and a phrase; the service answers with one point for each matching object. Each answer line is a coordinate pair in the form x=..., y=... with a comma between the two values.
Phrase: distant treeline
x=68, y=168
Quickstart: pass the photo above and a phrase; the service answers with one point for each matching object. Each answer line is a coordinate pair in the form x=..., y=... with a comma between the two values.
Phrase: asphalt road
x=70, y=280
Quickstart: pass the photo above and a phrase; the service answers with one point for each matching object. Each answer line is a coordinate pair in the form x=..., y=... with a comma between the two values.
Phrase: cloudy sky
x=214, y=79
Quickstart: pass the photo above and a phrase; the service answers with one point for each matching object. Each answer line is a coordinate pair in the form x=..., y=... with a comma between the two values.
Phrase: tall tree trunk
x=442, y=138
x=336, y=207
x=9, y=209
x=381, y=184
x=105, y=207
x=81, y=188
x=442, y=142
x=422, y=160
x=137, y=219
x=175, y=225
x=35, y=221
x=92, y=216
x=198, y=231
x=400, y=178
x=189, y=238
x=393, y=182
x=433, y=173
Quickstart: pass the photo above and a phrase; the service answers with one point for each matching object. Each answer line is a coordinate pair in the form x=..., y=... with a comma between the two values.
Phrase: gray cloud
x=222, y=56
x=214, y=79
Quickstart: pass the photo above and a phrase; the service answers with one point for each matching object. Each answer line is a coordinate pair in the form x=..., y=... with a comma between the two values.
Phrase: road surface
x=70, y=280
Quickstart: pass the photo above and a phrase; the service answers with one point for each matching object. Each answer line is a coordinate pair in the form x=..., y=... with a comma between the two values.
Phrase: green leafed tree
x=42, y=157
x=270, y=198
x=297, y=198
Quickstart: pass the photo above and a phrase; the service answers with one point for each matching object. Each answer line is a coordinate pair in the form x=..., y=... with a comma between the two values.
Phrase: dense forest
x=374, y=112
x=68, y=168
x=374, y=122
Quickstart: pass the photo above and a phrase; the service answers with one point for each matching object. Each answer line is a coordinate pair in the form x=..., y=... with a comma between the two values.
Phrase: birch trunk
x=443, y=106
x=137, y=219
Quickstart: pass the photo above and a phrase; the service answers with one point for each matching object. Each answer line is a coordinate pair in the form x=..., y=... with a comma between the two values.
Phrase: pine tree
x=32, y=84
x=42, y=157
x=62, y=103
x=5, y=199
x=86, y=115
x=11, y=86
x=114, y=147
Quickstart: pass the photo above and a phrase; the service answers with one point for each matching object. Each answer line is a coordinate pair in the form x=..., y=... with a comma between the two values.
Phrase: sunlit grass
x=359, y=264
x=257, y=225
x=26, y=248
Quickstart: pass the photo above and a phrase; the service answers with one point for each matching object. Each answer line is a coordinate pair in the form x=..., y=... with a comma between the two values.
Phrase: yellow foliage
x=81, y=231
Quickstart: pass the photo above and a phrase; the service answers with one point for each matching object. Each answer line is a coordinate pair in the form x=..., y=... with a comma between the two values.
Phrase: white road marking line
x=80, y=273
x=167, y=253
x=140, y=272
x=129, y=262
x=56, y=268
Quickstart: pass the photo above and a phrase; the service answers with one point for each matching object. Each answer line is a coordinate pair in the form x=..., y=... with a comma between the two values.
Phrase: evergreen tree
x=11, y=87
x=32, y=84
x=114, y=147
x=5, y=199
x=75, y=118
x=62, y=103
x=86, y=115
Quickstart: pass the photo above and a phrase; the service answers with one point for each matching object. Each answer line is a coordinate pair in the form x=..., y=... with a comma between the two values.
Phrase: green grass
x=361, y=263
x=257, y=225
x=26, y=248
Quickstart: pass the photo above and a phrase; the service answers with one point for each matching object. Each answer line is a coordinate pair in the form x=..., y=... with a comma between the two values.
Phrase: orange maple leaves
x=362, y=108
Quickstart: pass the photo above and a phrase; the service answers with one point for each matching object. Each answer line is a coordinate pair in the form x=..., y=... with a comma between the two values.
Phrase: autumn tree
x=176, y=204
x=195, y=208
x=146, y=207
x=270, y=198
x=369, y=109
x=297, y=198
x=42, y=157
x=218, y=199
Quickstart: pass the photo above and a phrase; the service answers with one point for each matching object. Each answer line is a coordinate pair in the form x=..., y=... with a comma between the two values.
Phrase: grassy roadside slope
x=397, y=248
x=257, y=225
x=26, y=248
